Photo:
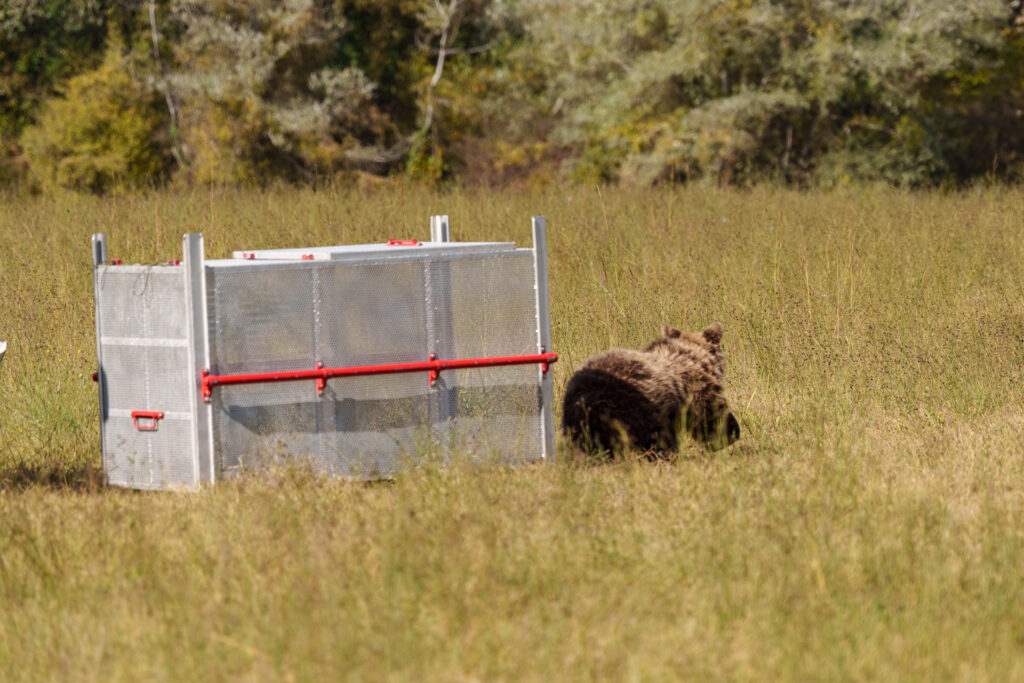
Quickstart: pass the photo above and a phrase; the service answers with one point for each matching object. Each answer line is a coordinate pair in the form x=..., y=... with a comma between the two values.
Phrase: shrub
x=108, y=132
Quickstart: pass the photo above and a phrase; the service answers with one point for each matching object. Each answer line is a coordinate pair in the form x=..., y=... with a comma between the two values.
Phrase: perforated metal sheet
x=281, y=316
x=144, y=360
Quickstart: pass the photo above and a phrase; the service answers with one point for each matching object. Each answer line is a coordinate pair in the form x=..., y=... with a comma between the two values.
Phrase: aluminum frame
x=437, y=257
x=540, y=267
x=199, y=356
x=99, y=256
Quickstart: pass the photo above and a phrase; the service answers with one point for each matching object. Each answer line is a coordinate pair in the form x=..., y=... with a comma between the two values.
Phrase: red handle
x=153, y=415
x=403, y=243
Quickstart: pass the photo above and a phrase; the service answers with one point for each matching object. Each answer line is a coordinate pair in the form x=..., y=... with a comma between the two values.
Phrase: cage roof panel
x=399, y=249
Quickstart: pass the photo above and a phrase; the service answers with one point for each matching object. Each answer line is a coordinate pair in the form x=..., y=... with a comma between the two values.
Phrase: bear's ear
x=713, y=333
x=670, y=332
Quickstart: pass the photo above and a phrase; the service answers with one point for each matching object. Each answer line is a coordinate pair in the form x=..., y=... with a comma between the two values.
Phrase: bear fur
x=643, y=399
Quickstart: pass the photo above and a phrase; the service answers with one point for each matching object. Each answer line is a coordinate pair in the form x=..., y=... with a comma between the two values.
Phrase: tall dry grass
x=867, y=526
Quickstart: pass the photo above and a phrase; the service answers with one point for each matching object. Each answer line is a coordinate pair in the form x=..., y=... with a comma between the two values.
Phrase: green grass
x=867, y=526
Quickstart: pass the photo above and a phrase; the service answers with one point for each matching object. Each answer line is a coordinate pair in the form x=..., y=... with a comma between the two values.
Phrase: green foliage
x=492, y=119
x=43, y=42
x=910, y=92
x=804, y=92
x=425, y=160
x=107, y=133
x=383, y=42
x=264, y=93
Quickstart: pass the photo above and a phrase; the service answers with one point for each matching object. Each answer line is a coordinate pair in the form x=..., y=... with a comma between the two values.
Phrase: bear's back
x=621, y=393
x=643, y=371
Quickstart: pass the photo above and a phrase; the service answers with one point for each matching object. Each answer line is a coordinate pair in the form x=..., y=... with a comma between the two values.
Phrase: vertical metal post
x=99, y=248
x=547, y=387
x=99, y=257
x=438, y=290
x=439, y=231
x=324, y=406
x=204, y=468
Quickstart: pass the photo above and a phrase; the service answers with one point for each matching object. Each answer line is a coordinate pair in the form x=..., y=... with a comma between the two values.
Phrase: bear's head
x=699, y=363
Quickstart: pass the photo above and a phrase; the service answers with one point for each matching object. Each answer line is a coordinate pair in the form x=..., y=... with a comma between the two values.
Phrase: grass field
x=868, y=525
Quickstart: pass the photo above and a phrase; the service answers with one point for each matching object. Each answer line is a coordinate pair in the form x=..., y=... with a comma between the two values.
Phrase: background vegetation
x=106, y=95
x=867, y=526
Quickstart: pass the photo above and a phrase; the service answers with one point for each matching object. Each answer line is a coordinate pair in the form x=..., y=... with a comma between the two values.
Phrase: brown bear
x=643, y=399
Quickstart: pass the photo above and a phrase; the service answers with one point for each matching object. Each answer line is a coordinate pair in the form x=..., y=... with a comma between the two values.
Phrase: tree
x=799, y=90
x=263, y=93
x=108, y=132
x=42, y=43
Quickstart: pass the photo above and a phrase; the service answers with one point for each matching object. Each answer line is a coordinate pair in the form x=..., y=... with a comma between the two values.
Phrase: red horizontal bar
x=324, y=374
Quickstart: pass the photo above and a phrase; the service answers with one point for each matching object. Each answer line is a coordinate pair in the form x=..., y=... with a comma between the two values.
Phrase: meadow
x=867, y=526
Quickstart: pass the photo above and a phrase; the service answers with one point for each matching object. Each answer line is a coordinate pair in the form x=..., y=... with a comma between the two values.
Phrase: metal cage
x=356, y=358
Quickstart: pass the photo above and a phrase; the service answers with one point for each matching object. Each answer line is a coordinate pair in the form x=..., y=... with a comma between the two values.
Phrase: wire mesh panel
x=284, y=316
x=143, y=339
x=262, y=319
x=493, y=313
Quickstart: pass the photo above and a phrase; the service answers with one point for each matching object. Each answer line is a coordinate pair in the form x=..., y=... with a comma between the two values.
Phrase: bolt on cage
x=438, y=346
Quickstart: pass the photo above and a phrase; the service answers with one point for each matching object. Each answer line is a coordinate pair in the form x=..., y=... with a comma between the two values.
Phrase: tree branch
x=177, y=150
x=449, y=28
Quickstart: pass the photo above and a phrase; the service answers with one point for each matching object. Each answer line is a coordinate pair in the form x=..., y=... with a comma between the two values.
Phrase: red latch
x=174, y=262
x=434, y=373
x=321, y=382
x=307, y=257
x=153, y=415
x=403, y=243
x=545, y=365
x=114, y=262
